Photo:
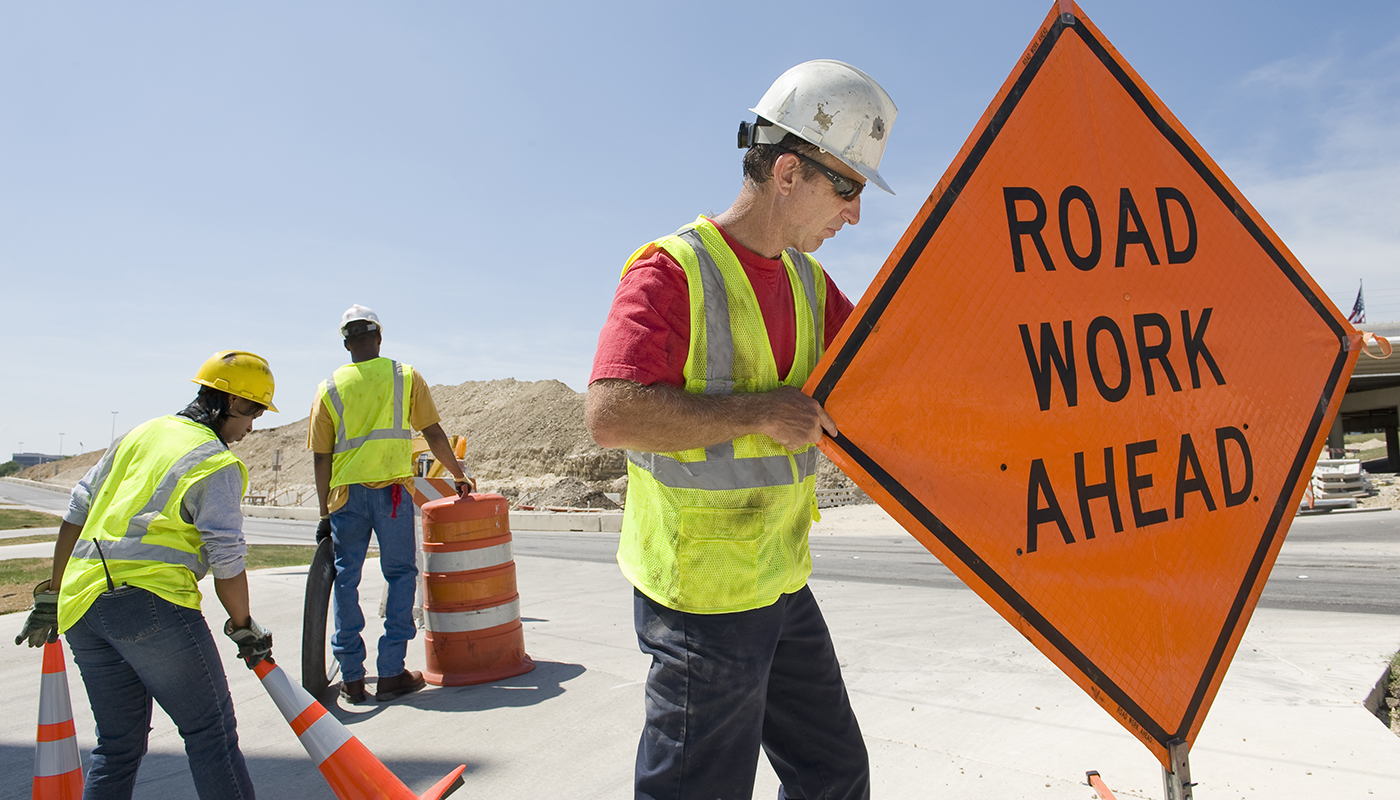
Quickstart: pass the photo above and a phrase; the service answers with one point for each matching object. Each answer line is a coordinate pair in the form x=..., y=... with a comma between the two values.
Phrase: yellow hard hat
x=241, y=374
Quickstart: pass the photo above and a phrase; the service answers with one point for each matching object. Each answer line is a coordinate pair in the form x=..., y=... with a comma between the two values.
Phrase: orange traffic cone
x=58, y=771
x=347, y=765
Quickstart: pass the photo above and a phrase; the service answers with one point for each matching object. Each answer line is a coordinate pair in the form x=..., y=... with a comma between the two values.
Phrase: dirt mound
x=513, y=429
x=525, y=440
x=63, y=473
x=524, y=428
x=569, y=493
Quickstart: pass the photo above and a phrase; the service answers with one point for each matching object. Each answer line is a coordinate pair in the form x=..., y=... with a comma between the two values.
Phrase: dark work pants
x=722, y=685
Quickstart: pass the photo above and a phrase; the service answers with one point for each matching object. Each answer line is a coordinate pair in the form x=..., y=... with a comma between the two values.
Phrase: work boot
x=354, y=691
x=407, y=681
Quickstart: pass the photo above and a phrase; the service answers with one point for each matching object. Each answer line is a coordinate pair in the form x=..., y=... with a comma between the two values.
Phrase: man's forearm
x=233, y=595
x=663, y=418
x=321, y=468
x=68, y=534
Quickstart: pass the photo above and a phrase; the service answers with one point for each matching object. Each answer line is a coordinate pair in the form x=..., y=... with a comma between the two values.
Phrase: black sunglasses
x=846, y=189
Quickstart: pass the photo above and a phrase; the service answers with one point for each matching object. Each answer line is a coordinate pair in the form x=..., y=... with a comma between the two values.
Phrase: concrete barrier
x=582, y=522
x=305, y=513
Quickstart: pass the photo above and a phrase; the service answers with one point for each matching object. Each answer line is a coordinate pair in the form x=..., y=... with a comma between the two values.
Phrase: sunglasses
x=846, y=189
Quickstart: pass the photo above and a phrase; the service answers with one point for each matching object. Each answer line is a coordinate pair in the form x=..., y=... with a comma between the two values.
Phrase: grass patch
x=16, y=518
x=263, y=556
x=18, y=576
x=38, y=537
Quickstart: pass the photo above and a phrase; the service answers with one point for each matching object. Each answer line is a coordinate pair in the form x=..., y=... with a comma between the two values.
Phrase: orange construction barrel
x=471, y=607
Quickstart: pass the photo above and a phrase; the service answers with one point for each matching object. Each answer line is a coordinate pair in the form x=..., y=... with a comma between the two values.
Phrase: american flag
x=1358, y=309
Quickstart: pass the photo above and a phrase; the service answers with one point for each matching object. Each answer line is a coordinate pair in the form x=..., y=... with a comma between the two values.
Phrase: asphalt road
x=1333, y=562
x=1330, y=562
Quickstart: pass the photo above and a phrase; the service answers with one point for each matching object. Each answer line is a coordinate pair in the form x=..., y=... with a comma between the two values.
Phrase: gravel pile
x=569, y=493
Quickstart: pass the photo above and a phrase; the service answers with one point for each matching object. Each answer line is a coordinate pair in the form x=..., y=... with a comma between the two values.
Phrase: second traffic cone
x=58, y=770
x=347, y=765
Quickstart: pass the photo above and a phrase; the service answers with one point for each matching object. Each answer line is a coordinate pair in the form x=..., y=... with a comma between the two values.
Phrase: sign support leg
x=1176, y=780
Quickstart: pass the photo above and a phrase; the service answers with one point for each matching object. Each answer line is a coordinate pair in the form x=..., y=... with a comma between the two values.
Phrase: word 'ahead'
x=1055, y=383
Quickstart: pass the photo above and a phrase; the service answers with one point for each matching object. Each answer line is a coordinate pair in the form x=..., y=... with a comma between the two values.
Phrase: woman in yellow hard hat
x=159, y=511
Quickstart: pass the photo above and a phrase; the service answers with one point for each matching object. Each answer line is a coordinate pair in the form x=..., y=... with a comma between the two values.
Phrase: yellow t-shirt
x=422, y=412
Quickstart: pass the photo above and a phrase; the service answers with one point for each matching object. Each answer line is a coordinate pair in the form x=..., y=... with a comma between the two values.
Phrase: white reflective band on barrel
x=136, y=550
x=54, y=704
x=324, y=737
x=717, y=473
x=466, y=560
x=466, y=621
x=56, y=758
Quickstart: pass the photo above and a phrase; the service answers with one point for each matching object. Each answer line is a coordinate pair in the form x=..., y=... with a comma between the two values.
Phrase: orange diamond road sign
x=1093, y=382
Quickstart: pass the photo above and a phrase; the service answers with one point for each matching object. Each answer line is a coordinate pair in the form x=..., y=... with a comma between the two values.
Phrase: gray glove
x=42, y=625
x=254, y=642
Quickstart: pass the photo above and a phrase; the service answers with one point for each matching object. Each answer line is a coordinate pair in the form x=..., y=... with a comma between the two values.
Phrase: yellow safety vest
x=724, y=528
x=134, y=519
x=369, y=403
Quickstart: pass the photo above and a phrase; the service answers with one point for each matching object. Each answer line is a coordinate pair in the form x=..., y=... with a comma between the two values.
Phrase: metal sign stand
x=1177, y=779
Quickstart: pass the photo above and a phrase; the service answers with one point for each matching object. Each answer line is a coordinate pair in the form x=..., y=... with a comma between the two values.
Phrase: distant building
x=1372, y=401
x=26, y=460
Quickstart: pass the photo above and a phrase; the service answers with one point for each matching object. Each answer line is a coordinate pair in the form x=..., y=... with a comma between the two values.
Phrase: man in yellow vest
x=161, y=509
x=712, y=332
x=362, y=424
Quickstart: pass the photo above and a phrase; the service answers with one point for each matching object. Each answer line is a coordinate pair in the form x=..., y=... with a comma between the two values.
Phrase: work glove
x=254, y=642
x=323, y=529
x=42, y=625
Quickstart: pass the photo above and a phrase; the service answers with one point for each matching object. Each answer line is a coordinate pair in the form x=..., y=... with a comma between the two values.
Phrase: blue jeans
x=372, y=510
x=722, y=685
x=132, y=646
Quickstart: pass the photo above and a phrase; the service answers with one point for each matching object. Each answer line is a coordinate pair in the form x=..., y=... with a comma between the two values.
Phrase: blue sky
x=180, y=178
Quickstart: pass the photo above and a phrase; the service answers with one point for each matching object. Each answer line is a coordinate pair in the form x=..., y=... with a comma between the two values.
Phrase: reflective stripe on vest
x=720, y=471
x=399, y=430
x=723, y=528
x=135, y=529
x=370, y=403
x=130, y=547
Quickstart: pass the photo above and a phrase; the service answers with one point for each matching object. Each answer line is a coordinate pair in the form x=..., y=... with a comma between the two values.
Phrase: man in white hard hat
x=361, y=437
x=711, y=333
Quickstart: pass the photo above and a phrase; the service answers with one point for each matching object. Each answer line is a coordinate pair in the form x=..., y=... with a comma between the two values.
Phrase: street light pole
x=114, y=429
x=60, y=445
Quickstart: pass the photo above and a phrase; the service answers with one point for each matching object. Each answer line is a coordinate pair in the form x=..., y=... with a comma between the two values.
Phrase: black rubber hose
x=320, y=577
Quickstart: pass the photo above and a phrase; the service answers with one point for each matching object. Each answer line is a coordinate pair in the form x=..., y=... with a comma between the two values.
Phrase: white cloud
x=1326, y=172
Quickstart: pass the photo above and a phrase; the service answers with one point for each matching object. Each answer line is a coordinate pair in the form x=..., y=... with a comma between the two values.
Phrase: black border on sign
x=866, y=324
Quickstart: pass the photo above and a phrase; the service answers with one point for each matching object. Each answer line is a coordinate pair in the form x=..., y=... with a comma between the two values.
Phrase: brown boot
x=354, y=691
x=405, y=682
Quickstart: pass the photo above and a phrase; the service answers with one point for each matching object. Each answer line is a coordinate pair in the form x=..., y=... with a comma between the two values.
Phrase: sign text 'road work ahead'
x=1092, y=381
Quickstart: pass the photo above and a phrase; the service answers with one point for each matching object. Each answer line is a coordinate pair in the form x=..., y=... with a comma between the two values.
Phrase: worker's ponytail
x=209, y=408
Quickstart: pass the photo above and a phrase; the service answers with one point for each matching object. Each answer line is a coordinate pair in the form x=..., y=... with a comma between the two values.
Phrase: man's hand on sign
x=793, y=419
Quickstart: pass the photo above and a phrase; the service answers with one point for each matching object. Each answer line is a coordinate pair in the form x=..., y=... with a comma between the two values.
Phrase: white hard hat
x=359, y=313
x=834, y=106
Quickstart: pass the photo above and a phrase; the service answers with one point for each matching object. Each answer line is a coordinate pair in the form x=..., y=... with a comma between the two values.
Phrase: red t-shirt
x=647, y=334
